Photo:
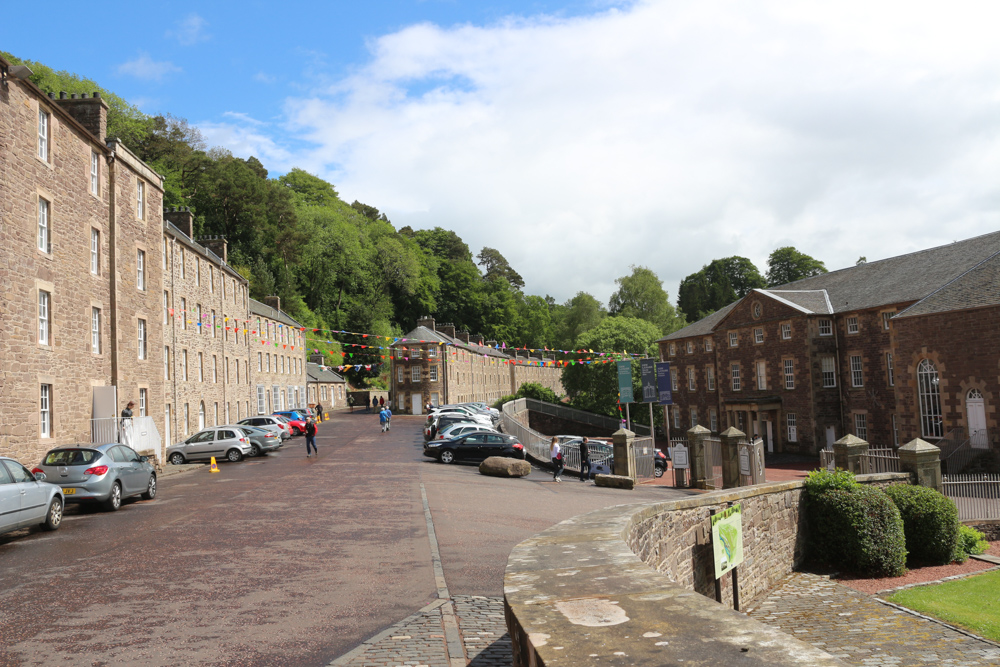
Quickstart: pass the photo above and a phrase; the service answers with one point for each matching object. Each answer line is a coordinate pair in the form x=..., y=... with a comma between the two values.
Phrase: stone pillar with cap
x=847, y=453
x=731, y=438
x=923, y=460
x=698, y=456
x=624, y=454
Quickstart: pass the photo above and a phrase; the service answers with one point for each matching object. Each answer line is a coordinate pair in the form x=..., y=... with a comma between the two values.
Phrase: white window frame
x=260, y=362
x=44, y=241
x=792, y=427
x=693, y=416
x=166, y=307
x=261, y=400
x=895, y=431
x=197, y=271
x=677, y=416
x=690, y=347
x=929, y=392
x=201, y=367
x=825, y=327
x=166, y=362
x=44, y=124
x=95, y=252
x=857, y=371
x=184, y=313
x=734, y=339
x=95, y=174
x=143, y=401
x=761, y=367
x=708, y=344
x=828, y=366
x=95, y=330
x=886, y=316
x=45, y=410
x=400, y=375
x=182, y=263
x=758, y=335
x=852, y=325
x=789, y=366
x=786, y=331
x=184, y=366
x=432, y=374
x=672, y=349
x=141, y=337
x=414, y=373
x=140, y=199
x=861, y=425
x=890, y=374
x=692, y=382
x=674, y=382
x=710, y=378
x=44, y=317
x=734, y=371
x=140, y=269
x=713, y=420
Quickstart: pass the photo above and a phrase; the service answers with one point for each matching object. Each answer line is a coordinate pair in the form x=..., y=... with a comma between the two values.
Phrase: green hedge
x=970, y=543
x=930, y=521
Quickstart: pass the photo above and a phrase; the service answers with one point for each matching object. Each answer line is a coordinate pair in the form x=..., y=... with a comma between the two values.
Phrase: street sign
x=663, y=382
x=625, y=382
x=679, y=457
x=647, y=370
x=727, y=539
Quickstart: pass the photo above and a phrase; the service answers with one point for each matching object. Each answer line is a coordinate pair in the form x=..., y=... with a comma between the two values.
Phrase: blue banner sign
x=625, y=382
x=663, y=382
x=647, y=370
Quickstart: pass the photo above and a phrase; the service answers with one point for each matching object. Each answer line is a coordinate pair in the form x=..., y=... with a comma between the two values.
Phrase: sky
x=581, y=137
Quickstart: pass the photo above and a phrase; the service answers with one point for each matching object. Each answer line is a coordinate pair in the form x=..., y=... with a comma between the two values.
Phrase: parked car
x=455, y=430
x=660, y=462
x=296, y=421
x=226, y=442
x=261, y=441
x=106, y=474
x=26, y=499
x=443, y=421
x=276, y=425
x=474, y=447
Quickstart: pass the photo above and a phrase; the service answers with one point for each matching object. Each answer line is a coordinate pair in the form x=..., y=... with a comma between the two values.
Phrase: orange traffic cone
x=215, y=466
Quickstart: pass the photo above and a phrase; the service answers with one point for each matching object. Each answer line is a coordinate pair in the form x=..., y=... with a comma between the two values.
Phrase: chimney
x=273, y=301
x=182, y=218
x=216, y=244
x=317, y=358
x=447, y=329
x=491, y=343
x=426, y=321
x=91, y=112
x=462, y=336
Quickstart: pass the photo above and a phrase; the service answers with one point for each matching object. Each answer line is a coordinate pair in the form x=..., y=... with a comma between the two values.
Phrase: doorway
x=768, y=436
x=975, y=414
x=831, y=436
x=415, y=403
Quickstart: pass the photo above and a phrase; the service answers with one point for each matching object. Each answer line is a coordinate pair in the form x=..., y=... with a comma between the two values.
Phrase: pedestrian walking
x=311, y=437
x=374, y=404
x=319, y=412
x=350, y=402
x=555, y=452
x=126, y=425
x=381, y=401
x=388, y=417
x=584, y=459
x=383, y=418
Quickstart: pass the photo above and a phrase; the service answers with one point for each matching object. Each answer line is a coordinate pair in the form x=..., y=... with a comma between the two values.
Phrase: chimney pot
x=91, y=113
x=83, y=96
x=96, y=95
x=62, y=94
x=52, y=96
x=73, y=96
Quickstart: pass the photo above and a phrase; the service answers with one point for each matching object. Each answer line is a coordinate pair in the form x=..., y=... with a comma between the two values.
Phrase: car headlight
x=433, y=444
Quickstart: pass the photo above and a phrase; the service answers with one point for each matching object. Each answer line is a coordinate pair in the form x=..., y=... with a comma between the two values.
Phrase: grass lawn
x=972, y=603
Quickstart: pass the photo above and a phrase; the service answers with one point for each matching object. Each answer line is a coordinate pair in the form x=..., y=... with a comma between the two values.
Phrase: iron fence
x=713, y=461
x=879, y=459
x=826, y=459
x=975, y=496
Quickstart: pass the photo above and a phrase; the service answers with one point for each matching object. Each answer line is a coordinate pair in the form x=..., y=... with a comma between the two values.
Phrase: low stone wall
x=620, y=584
x=988, y=527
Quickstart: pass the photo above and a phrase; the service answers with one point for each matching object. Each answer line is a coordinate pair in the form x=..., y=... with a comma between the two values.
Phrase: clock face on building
x=757, y=310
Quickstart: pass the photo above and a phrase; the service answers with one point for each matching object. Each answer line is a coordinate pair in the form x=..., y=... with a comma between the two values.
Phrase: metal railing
x=523, y=405
x=960, y=459
x=139, y=433
x=975, y=496
x=826, y=459
x=645, y=458
x=878, y=460
x=713, y=462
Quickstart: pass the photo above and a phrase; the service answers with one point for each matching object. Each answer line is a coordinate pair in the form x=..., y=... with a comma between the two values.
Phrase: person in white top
x=557, y=460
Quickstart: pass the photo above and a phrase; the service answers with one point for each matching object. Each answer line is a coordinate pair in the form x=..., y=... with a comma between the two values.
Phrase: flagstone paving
x=860, y=630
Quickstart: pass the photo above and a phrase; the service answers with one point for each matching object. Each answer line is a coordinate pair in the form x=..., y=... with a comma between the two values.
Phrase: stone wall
x=552, y=425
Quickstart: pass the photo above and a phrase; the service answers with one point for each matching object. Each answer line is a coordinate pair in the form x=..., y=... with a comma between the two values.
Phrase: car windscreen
x=71, y=457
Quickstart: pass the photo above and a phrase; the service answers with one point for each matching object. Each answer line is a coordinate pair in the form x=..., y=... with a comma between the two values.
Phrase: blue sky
x=582, y=137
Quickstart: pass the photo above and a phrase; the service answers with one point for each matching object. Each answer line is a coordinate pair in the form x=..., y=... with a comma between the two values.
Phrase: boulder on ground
x=614, y=481
x=501, y=466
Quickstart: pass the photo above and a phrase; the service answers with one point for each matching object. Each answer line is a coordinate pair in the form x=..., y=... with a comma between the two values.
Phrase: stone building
x=324, y=387
x=279, y=361
x=436, y=364
x=803, y=364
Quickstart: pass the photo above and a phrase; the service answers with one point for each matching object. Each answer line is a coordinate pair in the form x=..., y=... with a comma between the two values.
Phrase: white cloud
x=190, y=30
x=144, y=67
x=670, y=133
x=243, y=139
x=264, y=77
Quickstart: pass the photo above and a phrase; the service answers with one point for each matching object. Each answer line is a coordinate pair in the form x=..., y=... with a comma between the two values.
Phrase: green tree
x=787, y=264
x=495, y=265
x=641, y=295
x=717, y=284
x=580, y=314
x=309, y=189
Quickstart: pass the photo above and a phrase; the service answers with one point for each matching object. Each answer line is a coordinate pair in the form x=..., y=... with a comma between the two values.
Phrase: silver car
x=229, y=442
x=27, y=499
x=268, y=423
x=104, y=474
x=261, y=441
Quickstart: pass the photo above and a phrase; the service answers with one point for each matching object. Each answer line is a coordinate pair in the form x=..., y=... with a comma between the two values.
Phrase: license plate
x=69, y=492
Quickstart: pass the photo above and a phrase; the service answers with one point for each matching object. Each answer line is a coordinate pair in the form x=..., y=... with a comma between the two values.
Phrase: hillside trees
x=641, y=295
x=717, y=284
x=787, y=264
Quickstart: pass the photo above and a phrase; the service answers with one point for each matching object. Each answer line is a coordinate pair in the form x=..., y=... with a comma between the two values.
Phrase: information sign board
x=647, y=370
x=663, y=383
x=679, y=457
x=727, y=539
x=625, y=382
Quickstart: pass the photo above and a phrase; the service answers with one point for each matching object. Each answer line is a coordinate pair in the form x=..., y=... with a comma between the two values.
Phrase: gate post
x=731, y=438
x=923, y=460
x=847, y=453
x=624, y=454
x=698, y=456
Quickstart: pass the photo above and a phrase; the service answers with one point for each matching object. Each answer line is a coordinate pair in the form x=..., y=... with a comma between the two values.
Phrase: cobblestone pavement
x=862, y=631
x=421, y=639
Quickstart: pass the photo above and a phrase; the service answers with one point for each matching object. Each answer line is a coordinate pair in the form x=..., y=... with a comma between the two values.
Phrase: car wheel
x=658, y=472
x=114, y=500
x=254, y=449
x=150, y=489
x=234, y=455
x=296, y=431
x=177, y=459
x=53, y=518
x=447, y=456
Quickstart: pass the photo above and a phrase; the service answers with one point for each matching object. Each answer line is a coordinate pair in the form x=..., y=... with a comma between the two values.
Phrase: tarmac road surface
x=279, y=560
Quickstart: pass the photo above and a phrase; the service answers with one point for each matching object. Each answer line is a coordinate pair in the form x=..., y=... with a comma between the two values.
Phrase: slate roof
x=431, y=336
x=702, y=327
x=976, y=288
x=811, y=301
x=264, y=310
x=319, y=373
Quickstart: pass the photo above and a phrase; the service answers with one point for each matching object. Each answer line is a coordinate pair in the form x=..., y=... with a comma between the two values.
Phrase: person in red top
x=381, y=401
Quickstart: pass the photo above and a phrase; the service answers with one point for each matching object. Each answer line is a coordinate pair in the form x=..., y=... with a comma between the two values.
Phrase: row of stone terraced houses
x=438, y=365
x=103, y=289
x=901, y=348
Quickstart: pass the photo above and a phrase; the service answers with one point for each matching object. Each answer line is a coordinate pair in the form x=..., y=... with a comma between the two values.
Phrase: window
x=142, y=338
x=44, y=321
x=885, y=320
x=414, y=353
x=201, y=367
x=673, y=380
x=415, y=374
x=217, y=412
x=43, y=135
x=735, y=373
x=166, y=263
x=888, y=369
x=45, y=410
x=44, y=242
x=713, y=420
x=143, y=397
x=708, y=344
x=829, y=372
x=95, y=330
x=95, y=174
x=694, y=417
x=140, y=269
x=758, y=335
x=400, y=375
x=433, y=374
x=793, y=432
x=261, y=402
x=187, y=418
x=140, y=200
x=197, y=271
x=734, y=339
x=166, y=362
x=691, y=381
x=432, y=353
x=789, y=373
x=200, y=323
x=852, y=325
x=237, y=371
x=677, y=417
x=201, y=415
x=825, y=328
x=166, y=307
x=857, y=371
x=182, y=262
x=260, y=362
x=95, y=252
x=786, y=331
x=184, y=313
x=211, y=279
x=690, y=347
x=184, y=365
x=673, y=349
x=710, y=378
x=895, y=432
x=226, y=362
x=861, y=425
x=930, y=399
x=268, y=367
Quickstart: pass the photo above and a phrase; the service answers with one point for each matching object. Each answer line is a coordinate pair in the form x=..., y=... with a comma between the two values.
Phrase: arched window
x=930, y=400
x=201, y=415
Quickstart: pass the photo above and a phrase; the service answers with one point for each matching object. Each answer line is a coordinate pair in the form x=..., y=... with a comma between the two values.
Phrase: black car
x=660, y=462
x=474, y=447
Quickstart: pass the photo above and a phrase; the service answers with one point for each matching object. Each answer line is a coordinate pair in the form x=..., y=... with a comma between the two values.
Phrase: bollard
x=923, y=460
x=697, y=456
x=731, y=438
x=624, y=454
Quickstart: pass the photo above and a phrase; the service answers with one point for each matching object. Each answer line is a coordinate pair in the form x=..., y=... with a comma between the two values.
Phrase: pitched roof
x=319, y=373
x=264, y=310
x=422, y=333
x=976, y=288
x=808, y=301
x=703, y=326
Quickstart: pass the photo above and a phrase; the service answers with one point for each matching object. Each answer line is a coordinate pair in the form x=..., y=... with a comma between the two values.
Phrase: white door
x=831, y=436
x=415, y=400
x=975, y=411
x=770, y=436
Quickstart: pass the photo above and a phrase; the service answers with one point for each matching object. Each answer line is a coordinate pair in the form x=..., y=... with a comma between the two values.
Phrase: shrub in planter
x=858, y=529
x=970, y=543
x=930, y=522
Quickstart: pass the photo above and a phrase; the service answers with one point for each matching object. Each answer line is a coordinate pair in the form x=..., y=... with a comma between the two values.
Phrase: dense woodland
x=339, y=266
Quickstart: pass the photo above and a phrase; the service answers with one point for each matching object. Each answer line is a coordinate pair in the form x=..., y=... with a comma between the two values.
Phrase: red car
x=296, y=422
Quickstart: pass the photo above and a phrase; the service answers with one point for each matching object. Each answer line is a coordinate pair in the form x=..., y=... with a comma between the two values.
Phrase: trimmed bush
x=970, y=543
x=930, y=521
x=822, y=480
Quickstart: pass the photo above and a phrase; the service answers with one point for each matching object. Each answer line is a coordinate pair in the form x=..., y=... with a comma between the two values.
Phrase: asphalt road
x=281, y=560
